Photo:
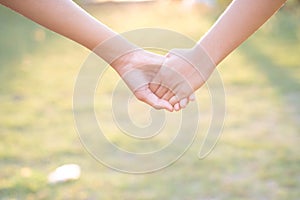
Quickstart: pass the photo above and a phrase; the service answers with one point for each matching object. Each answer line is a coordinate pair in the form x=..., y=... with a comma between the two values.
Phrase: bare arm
x=64, y=17
x=68, y=19
x=239, y=21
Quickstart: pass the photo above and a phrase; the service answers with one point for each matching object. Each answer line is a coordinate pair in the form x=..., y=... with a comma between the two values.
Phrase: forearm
x=239, y=21
x=68, y=19
x=64, y=17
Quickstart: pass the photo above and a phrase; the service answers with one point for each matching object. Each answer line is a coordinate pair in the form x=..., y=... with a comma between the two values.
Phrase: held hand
x=183, y=72
x=137, y=69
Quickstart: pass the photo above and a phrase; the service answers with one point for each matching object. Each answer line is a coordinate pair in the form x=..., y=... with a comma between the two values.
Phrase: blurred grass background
x=258, y=156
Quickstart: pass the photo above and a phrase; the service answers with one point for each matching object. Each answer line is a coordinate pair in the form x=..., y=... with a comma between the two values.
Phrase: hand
x=182, y=73
x=136, y=66
x=137, y=69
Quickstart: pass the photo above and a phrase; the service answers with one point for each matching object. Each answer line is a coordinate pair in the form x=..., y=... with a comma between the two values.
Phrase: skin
x=68, y=19
x=239, y=21
x=159, y=86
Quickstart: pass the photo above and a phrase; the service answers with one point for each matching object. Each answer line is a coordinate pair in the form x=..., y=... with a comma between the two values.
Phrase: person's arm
x=63, y=17
x=239, y=21
x=68, y=19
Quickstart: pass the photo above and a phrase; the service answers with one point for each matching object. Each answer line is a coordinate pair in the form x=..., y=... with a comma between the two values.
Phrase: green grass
x=257, y=156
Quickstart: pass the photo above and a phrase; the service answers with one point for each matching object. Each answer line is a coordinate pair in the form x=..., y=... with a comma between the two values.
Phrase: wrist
x=213, y=47
x=116, y=51
x=202, y=61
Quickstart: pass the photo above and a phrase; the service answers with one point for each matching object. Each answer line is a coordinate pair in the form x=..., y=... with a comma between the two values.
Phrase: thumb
x=148, y=97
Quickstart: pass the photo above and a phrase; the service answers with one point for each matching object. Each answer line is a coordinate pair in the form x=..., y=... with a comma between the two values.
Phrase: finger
x=183, y=102
x=161, y=91
x=177, y=107
x=148, y=97
x=192, y=97
x=173, y=100
x=159, y=103
x=168, y=95
x=153, y=87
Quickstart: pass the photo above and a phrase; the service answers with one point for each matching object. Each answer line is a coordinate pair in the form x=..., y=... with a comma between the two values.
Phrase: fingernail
x=167, y=106
x=176, y=107
x=192, y=97
x=183, y=103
